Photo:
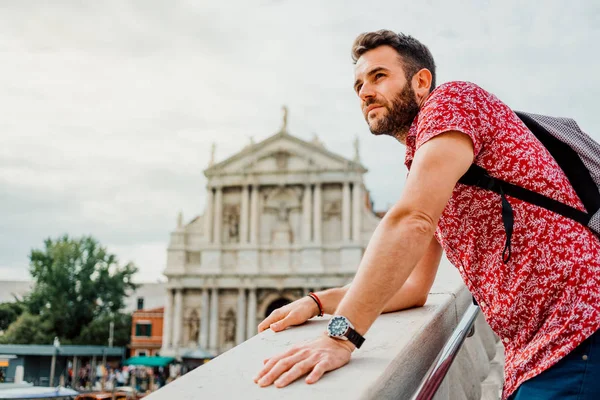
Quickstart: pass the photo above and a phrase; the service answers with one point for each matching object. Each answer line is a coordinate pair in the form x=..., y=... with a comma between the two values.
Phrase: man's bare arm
x=412, y=294
x=415, y=290
x=406, y=231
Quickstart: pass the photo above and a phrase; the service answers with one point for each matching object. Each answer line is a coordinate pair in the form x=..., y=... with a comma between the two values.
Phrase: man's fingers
x=266, y=323
x=284, y=323
x=270, y=363
x=282, y=366
x=317, y=372
x=298, y=370
x=316, y=358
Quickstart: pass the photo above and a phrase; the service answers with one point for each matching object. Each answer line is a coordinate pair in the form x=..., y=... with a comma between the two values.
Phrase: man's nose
x=366, y=92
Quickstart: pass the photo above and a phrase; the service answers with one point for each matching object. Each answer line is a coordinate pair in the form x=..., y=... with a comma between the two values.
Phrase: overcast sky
x=108, y=108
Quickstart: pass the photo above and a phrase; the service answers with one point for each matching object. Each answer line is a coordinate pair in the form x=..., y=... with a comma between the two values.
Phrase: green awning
x=146, y=361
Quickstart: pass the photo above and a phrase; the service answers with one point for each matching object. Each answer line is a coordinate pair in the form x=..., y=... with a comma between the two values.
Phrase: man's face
x=388, y=101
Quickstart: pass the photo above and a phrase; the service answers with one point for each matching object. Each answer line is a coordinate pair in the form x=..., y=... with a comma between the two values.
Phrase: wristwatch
x=340, y=328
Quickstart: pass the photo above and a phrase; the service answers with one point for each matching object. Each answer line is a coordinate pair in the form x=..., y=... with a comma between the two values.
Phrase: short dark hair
x=415, y=55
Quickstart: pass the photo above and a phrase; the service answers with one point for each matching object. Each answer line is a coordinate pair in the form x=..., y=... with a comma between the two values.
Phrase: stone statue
x=232, y=219
x=315, y=140
x=285, y=119
x=281, y=232
x=234, y=226
x=180, y=219
x=230, y=326
x=213, y=149
x=194, y=327
x=193, y=331
x=356, y=149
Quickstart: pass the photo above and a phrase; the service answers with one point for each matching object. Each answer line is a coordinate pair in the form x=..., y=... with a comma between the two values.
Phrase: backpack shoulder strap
x=479, y=177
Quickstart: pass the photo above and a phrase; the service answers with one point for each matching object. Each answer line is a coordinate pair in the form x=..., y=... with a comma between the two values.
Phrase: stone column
x=254, y=215
x=204, y=320
x=357, y=204
x=244, y=216
x=307, y=214
x=251, y=327
x=346, y=212
x=240, y=334
x=218, y=221
x=168, y=319
x=214, y=320
x=208, y=215
x=317, y=220
x=178, y=318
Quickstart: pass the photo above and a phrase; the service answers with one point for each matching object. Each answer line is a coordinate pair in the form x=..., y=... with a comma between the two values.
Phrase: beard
x=399, y=117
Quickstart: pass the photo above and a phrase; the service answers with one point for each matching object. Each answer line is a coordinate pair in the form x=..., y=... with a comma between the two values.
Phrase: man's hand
x=295, y=313
x=320, y=356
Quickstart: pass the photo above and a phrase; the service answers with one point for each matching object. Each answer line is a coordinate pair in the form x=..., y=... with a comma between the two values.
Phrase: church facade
x=283, y=217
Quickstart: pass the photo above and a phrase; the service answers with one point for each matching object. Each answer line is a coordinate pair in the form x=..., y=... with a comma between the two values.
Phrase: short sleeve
x=455, y=106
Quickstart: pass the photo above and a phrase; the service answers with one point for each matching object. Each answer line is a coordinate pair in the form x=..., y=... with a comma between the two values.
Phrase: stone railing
x=399, y=349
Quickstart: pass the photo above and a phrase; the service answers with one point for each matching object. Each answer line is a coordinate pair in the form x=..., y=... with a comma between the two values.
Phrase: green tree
x=9, y=312
x=97, y=332
x=28, y=329
x=76, y=282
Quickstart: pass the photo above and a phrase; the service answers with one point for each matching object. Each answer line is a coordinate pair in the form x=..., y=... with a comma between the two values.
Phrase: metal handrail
x=432, y=381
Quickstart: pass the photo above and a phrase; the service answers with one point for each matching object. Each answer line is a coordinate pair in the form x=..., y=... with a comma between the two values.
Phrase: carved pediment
x=282, y=152
x=280, y=160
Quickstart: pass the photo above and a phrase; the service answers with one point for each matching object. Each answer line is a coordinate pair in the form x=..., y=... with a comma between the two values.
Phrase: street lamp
x=53, y=365
x=111, y=333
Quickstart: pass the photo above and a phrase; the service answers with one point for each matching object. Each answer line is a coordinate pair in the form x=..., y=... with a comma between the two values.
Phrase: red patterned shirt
x=545, y=301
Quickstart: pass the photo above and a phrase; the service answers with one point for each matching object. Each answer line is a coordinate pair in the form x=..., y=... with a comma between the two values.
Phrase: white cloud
x=14, y=273
x=109, y=108
x=151, y=257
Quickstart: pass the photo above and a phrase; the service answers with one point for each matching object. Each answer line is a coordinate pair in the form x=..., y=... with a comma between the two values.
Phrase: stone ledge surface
x=399, y=349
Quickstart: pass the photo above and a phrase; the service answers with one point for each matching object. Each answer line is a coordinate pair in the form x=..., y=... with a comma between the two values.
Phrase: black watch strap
x=355, y=338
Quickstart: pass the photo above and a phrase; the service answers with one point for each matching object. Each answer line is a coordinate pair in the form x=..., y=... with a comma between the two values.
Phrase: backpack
x=577, y=154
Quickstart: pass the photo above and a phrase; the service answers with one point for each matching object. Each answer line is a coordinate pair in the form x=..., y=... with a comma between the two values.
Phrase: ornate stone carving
x=332, y=209
x=282, y=202
x=281, y=159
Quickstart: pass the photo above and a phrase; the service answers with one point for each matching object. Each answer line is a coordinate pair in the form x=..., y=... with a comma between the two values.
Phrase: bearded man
x=539, y=288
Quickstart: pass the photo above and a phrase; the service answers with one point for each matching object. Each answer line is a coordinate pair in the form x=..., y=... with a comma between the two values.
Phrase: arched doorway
x=274, y=305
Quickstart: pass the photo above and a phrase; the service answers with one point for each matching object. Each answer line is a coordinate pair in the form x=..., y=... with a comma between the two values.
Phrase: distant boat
x=38, y=392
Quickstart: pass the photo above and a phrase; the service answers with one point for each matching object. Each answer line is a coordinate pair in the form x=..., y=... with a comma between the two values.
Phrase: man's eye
x=358, y=88
x=379, y=75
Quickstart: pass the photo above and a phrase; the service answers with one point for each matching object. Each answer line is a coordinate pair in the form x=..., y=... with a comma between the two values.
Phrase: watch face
x=337, y=326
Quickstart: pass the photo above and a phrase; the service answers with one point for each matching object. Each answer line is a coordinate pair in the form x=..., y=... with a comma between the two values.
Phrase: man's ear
x=421, y=82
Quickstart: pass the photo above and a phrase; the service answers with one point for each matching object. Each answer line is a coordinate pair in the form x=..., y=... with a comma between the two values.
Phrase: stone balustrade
x=399, y=349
